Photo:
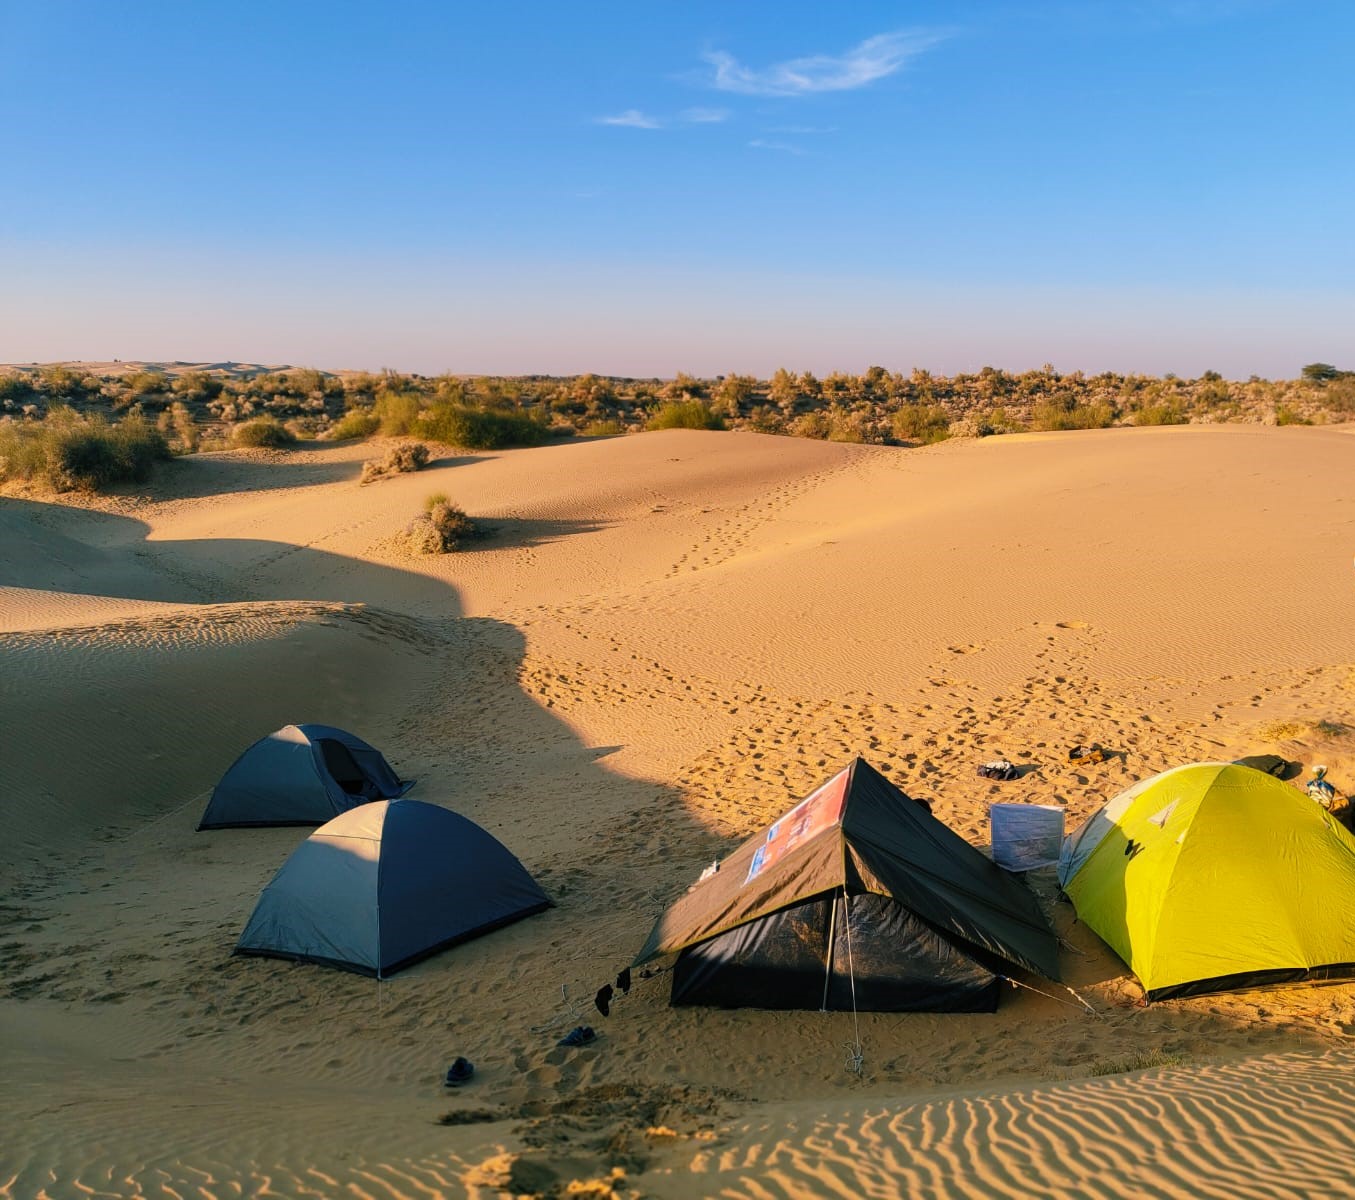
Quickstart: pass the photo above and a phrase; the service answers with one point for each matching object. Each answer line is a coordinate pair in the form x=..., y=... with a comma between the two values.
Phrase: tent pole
x=828, y=964
x=855, y=1055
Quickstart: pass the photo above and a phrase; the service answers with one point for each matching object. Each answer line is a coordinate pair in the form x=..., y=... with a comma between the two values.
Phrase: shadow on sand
x=53, y=547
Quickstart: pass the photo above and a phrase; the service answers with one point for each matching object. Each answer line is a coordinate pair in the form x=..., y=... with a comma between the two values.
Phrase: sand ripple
x=1275, y=1126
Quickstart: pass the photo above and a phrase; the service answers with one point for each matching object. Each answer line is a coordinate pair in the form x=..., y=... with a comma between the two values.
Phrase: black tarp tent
x=386, y=884
x=856, y=897
x=301, y=775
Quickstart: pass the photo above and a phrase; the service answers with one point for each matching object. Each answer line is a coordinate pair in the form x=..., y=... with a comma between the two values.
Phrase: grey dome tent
x=301, y=775
x=858, y=897
x=386, y=884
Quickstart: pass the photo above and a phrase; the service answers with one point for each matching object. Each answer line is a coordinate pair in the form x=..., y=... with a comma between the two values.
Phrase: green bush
x=602, y=428
x=1161, y=414
x=813, y=424
x=355, y=423
x=16, y=388
x=1284, y=415
x=145, y=383
x=476, y=429
x=263, y=433
x=67, y=451
x=397, y=412
x=924, y=423
x=1063, y=412
x=685, y=414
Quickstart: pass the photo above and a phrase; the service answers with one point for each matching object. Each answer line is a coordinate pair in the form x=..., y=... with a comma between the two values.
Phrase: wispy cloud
x=873, y=59
x=803, y=129
x=783, y=147
x=632, y=118
x=705, y=116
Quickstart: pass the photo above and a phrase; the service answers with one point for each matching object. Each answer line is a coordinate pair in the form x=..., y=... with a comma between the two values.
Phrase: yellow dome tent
x=1215, y=876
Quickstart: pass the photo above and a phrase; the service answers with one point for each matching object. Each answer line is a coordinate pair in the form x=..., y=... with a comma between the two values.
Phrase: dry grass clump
x=399, y=460
x=67, y=451
x=442, y=528
x=1289, y=731
x=266, y=433
x=1140, y=1061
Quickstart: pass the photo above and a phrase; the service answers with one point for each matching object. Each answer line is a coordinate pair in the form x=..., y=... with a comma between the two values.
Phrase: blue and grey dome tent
x=301, y=775
x=387, y=884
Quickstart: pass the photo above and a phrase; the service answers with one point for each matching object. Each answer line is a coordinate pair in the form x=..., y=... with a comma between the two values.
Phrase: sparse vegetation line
x=192, y=409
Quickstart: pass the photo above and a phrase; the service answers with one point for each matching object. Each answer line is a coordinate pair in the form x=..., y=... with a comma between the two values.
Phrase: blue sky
x=641, y=188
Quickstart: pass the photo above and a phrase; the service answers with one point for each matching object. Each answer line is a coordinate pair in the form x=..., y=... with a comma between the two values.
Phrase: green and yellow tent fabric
x=1216, y=876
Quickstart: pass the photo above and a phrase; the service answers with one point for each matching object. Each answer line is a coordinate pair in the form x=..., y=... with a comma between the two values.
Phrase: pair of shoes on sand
x=458, y=1073
x=580, y=1035
x=1000, y=769
x=1086, y=755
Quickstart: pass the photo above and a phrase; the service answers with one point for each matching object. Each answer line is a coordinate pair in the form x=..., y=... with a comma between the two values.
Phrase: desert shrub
x=1062, y=411
x=1339, y=397
x=608, y=428
x=1285, y=415
x=1170, y=413
x=969, y=426
x=67, y=451
x=810, y=425
x=16, y=389
x=356, y=423
x=766, y=419
x=141, y=384
x=397, y=412
x=685, y=414
x=59, y=383
x=176, y=421
x=924, y=423
x=684, y=387
x=476, y=429
x=399, y=460
x=441, y=528
x=263, y=433
x=984, y=424
x=197, y=385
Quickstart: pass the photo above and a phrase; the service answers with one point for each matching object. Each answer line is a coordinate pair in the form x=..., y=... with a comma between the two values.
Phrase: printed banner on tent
x=810, y=817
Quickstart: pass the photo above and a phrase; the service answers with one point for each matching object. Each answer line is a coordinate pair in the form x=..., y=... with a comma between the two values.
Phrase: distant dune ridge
x=663, y=642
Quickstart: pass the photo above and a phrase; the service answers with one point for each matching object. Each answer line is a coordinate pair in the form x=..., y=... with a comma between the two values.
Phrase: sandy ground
x=663, y=643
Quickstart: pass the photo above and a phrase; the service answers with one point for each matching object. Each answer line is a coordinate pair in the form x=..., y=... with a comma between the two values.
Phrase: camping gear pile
x=385, y=881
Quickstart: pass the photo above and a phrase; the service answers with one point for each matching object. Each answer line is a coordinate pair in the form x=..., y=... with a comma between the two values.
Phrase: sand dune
x=665, y=641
